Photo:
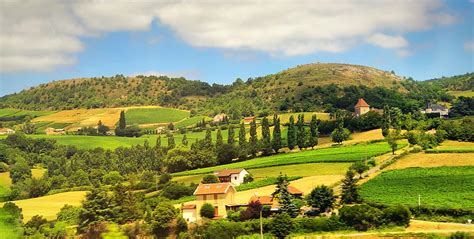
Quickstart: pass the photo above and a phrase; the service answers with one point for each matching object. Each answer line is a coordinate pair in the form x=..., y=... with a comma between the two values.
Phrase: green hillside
x=454, y=83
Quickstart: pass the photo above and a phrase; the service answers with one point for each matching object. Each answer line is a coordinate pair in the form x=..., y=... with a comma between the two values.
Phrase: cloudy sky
x=218, y=41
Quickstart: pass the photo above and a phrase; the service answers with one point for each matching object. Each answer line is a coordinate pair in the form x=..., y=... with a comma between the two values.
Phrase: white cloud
x=386, y=41
x=404, y=53
x=469, y=45
x=36, y=30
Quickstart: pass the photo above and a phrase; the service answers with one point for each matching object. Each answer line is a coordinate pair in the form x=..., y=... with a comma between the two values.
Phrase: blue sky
x=218, y=44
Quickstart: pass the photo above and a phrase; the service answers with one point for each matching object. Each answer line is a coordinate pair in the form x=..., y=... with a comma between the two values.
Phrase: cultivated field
x=144, y=116
x=6, y=181
x=439, y=187
x=350, y=153
x=190, y=121
x=285, y=118
x=9, y=112
x=48, y=206
x=433, y=160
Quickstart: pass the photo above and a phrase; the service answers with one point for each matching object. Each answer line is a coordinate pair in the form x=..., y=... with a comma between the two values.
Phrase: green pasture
x=190, y=121
x=7, y=229
x=154, y=115
x=9, y=112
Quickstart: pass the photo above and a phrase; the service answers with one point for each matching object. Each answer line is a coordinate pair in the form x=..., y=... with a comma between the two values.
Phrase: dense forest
x=459, y=82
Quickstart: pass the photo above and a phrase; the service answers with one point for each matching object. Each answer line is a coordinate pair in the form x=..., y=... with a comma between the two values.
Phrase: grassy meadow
x=350, y=153
x=10, y=112
x=449, y=187
x=154, y=115
x=7, y=229
x=465, y=93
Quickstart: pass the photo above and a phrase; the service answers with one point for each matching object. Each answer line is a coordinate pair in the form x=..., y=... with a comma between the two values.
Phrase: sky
x=218, y=41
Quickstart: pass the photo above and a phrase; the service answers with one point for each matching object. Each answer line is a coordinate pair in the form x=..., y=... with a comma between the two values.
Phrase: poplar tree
x=171, y=143
x=219, y=140
x=291, y=135
x=301, y=133
x=386, y=120
x=313, y=132
x=184, y=141
x=122, y=123
x=253, y=141
x=276, y=140
x=158, y=142
x=266, y=140
x=208, y=138
x=242, y=142
x=231, y=135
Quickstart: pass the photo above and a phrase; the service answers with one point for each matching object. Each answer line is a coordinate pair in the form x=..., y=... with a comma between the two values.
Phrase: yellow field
x=455, y=144
x=49, y=206
x=285, y=118
x=5, y=179
x=434, y=160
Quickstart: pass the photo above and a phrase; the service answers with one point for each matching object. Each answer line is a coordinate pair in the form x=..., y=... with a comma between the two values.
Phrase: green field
x=191, y=121
x=451, y=187
x=8, y=230
x=465, y=93
x=154, y=115
x=4, y=193
x=334, y=154
x=16, y=112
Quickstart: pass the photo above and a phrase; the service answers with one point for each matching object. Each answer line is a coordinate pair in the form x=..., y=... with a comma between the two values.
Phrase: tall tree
x=266, y=145
x=208, y=138
x=101, y=128
x=291, y=137
x=386, y=120
x=231, y=135
x=350, y=193
x=340, y=133
x=321, y=197
x=219, y=140
x=313, y=132
x=158, y=142
x=243, y=150
x=122, y=123
x=276, y=140
x=396, y=119
x=184, y=141
x=301, y=133
x=171, y=143
x=253, y=141
x=285, y=199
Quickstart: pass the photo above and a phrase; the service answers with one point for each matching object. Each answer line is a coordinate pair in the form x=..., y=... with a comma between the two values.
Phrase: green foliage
x=285, y=199
x=321, y=197
x=398, y=215
x=350, y=193
x=262, y=183
x=20, y=170
x=98, y=206
x=171, y=143
x=210, y=178
x=340, y=133
x=301, y=135
x=207, y=210
x=122, y=123
x=291, y=137
x=253, y=141
x=440, y=187
x=10, y=221
x=313, y=132
x=360, y=167
x=112, y=178
x=226, y=153
x=276, y=139
x=361, y=217
x=219, y=139
x=69, y=214
x=281, y=225
x=161, y=218
x=460, y=235
x=462, y=130
x=266, y=143
x=231, y=135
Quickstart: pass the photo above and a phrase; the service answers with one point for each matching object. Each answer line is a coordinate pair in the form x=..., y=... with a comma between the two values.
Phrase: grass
x=433, y=160
x=6, y=181
x=154, y=115
x=442, y=187
x=333, y=154
x=49, y=206
x=285, y=118
x=7, y=229
x=466, y=93
x=309, y=169
x=262, y=183
x=4, y=193
x=190, y=121
x=16, y=112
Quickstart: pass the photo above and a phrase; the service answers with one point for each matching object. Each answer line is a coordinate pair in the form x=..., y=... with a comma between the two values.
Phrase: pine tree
x=291, y=137
x=276, y=140
x=266, y=140
x=184, y=141
x=386, y=120
x=301, y=133
x=285, y=199
x=158, y=142
x=219, y=140
x=349, y=189
x=231, y=135
x=171, y=143
x=122, y=123
x=253, y=141
x=313, y=132
x=208, y=138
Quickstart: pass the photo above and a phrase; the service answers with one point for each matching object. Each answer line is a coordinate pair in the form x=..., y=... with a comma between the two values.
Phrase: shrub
x=224, y=229
x=398, y=215
x=361, y=217
x=210, y=178
x=460, y=235
x=321, y=224
x=112, y=178
x=321, y=197
x=175, y=191
x=281, y=225
x=207, y=210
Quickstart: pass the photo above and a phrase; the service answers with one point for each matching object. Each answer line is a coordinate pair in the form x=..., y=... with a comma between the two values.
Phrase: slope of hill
x=454, y=83
x=310, y=87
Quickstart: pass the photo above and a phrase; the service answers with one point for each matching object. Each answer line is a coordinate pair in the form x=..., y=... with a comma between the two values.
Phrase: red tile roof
x=264, y=200
x=228, y=172
x=188, y=206
x=294, y=191
x=361, y=103
x=213, y=188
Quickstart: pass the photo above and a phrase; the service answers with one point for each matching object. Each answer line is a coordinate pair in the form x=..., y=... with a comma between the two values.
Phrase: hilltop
x=310, y=87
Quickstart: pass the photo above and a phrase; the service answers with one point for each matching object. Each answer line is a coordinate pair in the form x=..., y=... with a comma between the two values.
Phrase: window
x=235, y=178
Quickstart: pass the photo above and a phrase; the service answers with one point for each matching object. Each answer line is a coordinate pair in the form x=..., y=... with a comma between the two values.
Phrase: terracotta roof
x=188, y=206
x=294, y=191
x=228, y=172
x=213, y=188
x=264, y=200
x=361, y=103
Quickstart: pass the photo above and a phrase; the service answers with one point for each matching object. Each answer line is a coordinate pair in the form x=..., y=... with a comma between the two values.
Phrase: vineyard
x=443, y=187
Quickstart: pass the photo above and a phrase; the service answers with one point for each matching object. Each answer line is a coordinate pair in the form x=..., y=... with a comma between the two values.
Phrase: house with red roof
x=361, y=108
x=235, y=176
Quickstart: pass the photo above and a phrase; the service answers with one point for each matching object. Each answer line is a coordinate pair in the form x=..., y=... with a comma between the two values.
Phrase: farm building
x=361, y=108
x=220, y=195
x=442, y=110
x=234, y=176
x=53, y=131
x=5, y=131
x=248, y=120
x=219, y=118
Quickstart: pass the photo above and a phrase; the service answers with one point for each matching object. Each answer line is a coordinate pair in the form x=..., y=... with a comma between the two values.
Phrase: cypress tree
x=291, y=135
x=349, y=189
x=276, y=140
x=208, y=138
x=253, y=141
x=184, y=141
x=171, y=143
x=314, y=133
x=219, y=140
x=266, y=140
x=386, y=121
x=301, y=133
x=122, y=123
x=242, y=133
x=158, y=142
x=231, y=135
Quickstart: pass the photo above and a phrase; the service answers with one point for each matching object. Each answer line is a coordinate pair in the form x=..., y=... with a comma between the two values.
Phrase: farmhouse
x=53, y=131
x=220, y=195
x=269, y=200
x=248, y=120
x=436, y=109
x=219, y=118
x=234, y=176
x=361, y=108
x=5, y=131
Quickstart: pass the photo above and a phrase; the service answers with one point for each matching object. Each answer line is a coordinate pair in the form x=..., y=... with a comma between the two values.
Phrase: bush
x=460, y=235
x=398, y=215
x=281, y=225
x=224, y=229
x=207, y=210
x=175, y=191
x=361, y=217
x=112, y=178
x=321, y=197
x=321, y=224
x=210, y=178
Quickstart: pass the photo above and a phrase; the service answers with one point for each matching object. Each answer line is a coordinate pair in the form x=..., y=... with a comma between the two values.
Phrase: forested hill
x=320, y=86
x=459, y=82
